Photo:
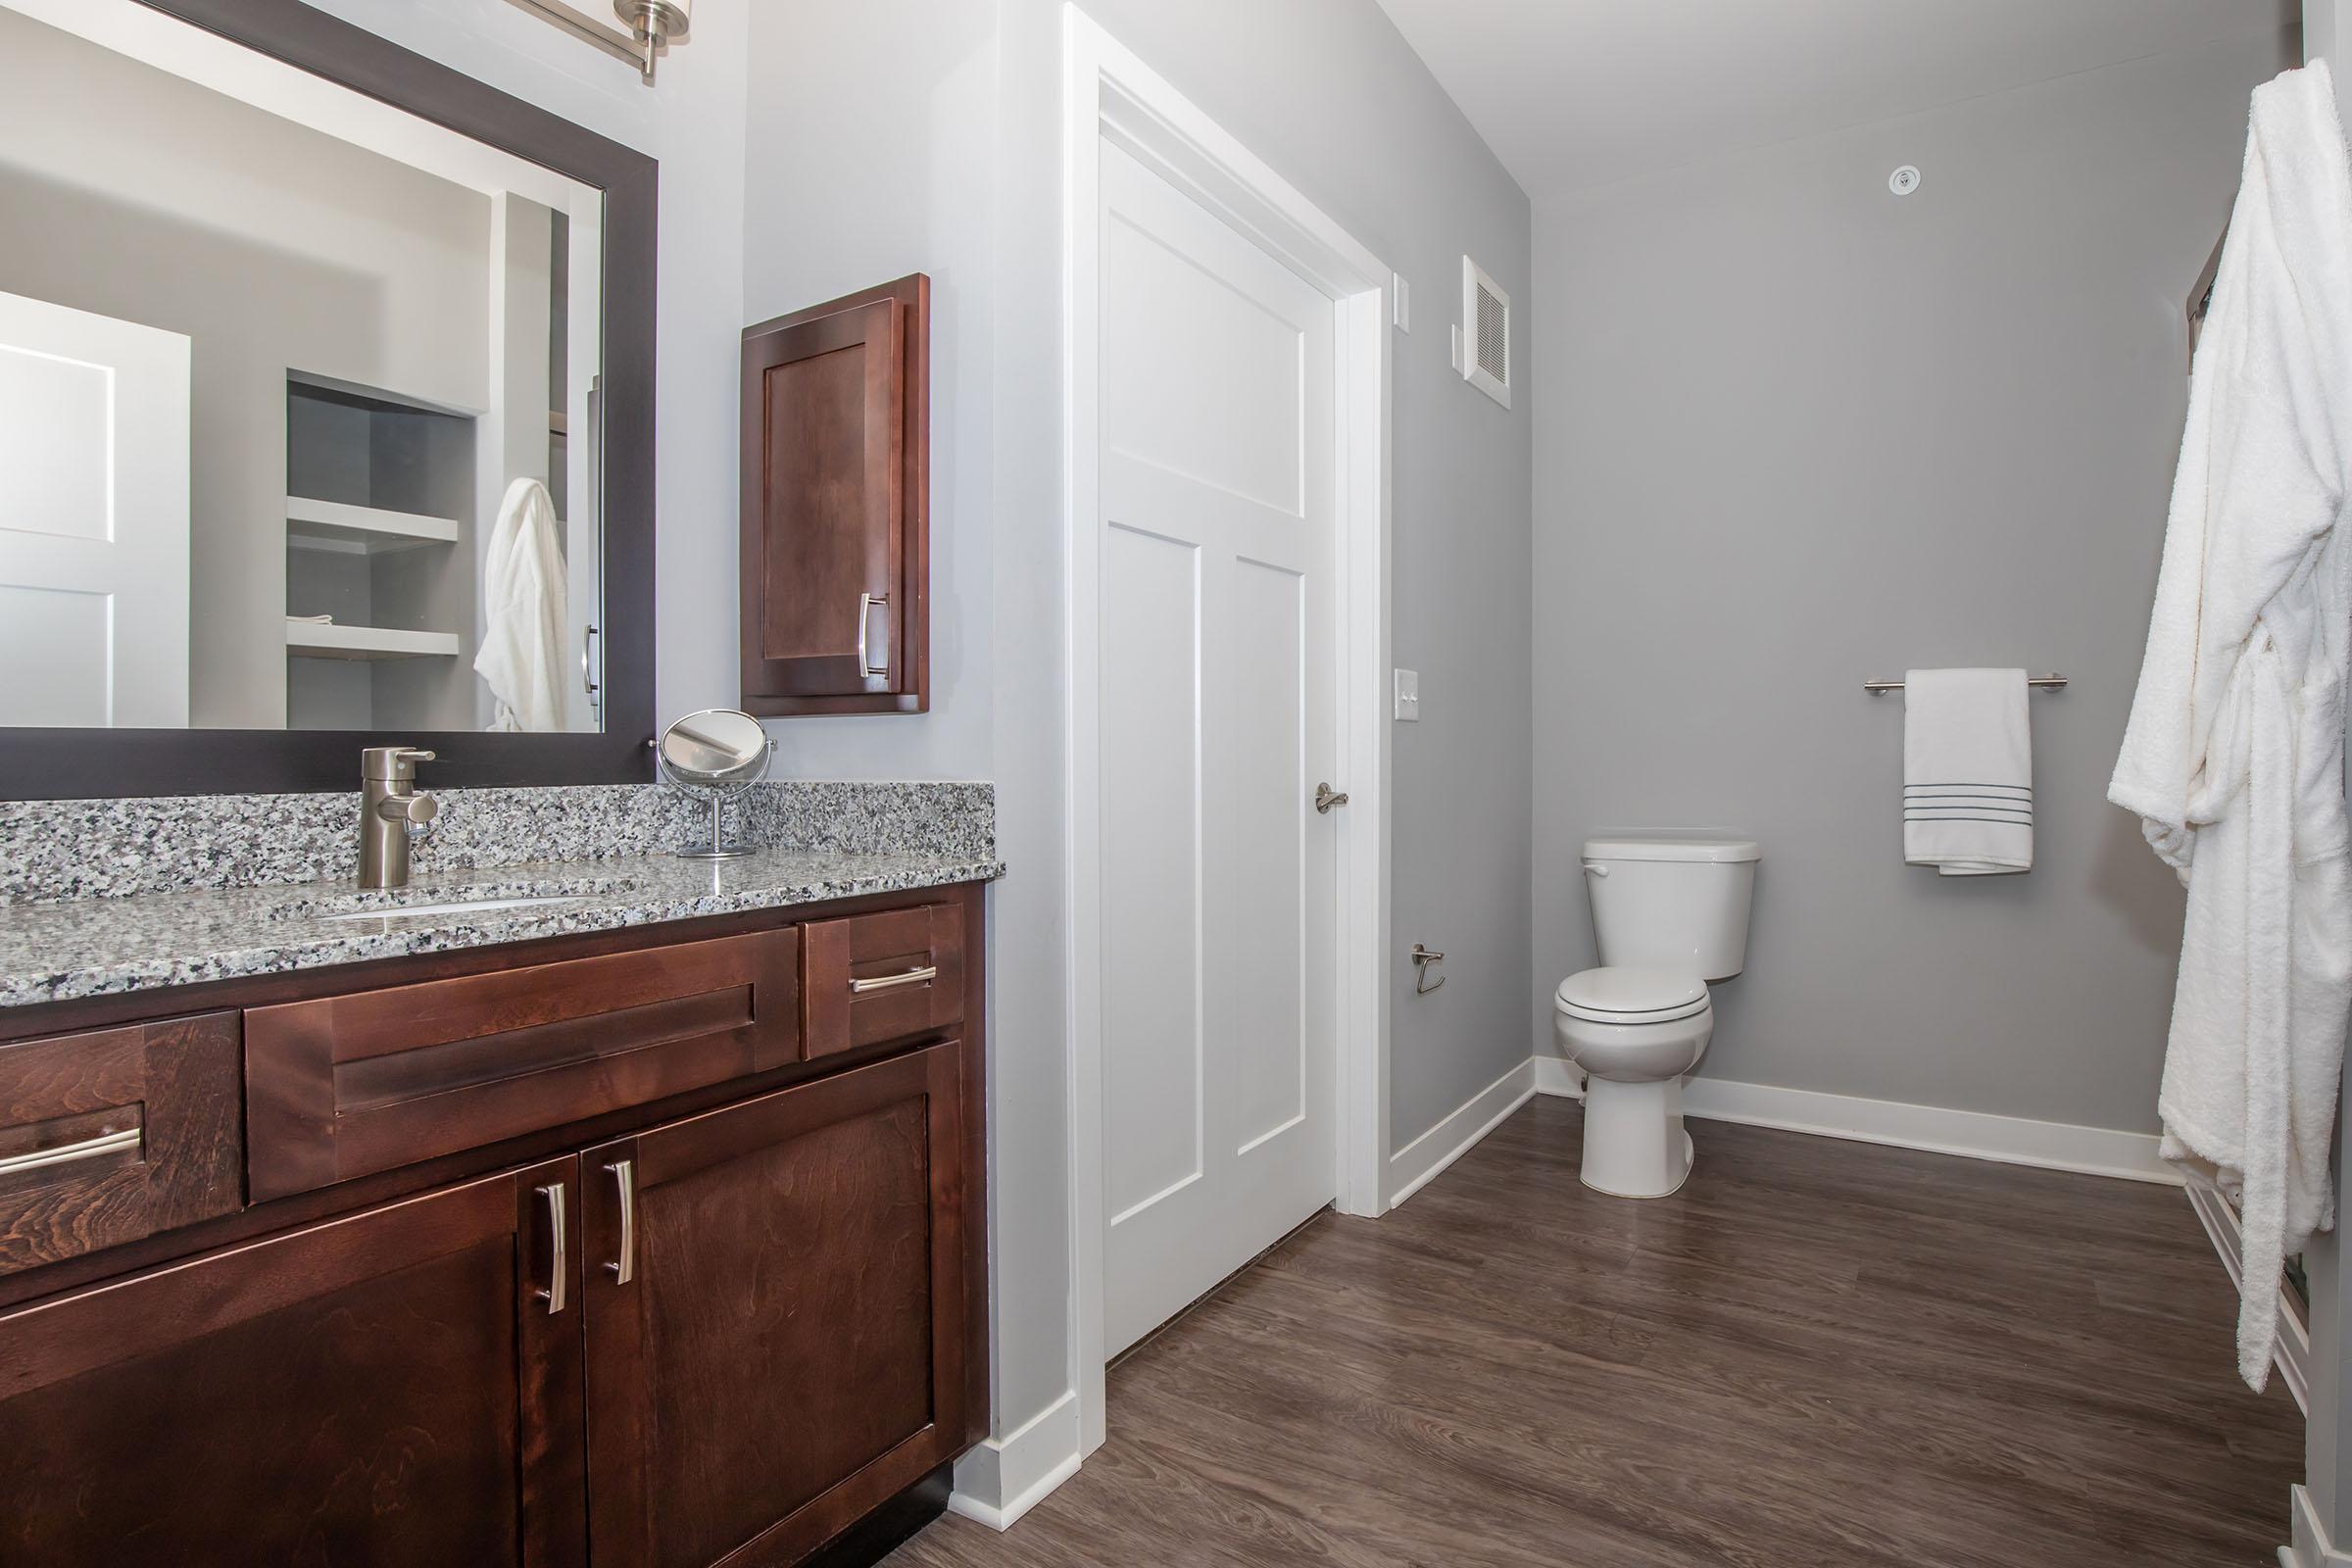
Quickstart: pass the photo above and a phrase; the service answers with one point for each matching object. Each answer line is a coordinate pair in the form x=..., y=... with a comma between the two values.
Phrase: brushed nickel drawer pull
x=892, y=982
x=66, y=1153
x=558, y=1263
x=624, y=1178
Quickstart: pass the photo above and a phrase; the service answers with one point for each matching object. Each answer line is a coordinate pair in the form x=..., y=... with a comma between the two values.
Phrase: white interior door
x=1218, y=662
x=93, y=519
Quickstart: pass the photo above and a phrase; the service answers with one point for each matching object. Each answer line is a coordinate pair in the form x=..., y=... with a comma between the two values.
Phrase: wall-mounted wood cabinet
x=836, y=506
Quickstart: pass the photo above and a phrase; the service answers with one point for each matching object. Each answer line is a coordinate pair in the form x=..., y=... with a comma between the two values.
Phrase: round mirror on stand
x=714, y=755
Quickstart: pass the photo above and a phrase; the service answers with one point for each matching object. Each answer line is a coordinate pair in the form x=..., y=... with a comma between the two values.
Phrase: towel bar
x=2050, y=682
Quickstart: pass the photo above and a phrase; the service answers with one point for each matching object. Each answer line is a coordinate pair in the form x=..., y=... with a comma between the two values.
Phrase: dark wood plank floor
x=1817, y=1353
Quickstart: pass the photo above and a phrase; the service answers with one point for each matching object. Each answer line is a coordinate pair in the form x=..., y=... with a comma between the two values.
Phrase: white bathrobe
x=523, y=633
x=2233, y=756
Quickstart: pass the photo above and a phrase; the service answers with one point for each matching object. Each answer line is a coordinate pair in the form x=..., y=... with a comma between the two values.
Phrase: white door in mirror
x=93, y=518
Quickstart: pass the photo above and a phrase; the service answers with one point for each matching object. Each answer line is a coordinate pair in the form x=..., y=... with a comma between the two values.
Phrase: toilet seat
x=1631, y=995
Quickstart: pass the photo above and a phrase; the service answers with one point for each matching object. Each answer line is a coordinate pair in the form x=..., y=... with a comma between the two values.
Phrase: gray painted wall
x=1797, y=432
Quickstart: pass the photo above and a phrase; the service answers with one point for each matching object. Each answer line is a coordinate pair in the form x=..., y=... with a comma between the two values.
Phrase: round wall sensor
x=1904, y=180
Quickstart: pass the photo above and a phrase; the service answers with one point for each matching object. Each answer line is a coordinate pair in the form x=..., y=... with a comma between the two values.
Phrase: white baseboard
x=2292, y=1354
x=1557, y=1075
x=1975, y=1135
x=2009, y=1139
x=1418, y=1162
x=2311, y=1548
x=1006, y=1477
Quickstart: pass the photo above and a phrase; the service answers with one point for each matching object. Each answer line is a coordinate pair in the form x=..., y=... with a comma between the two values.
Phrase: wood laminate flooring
x=1816, y=1354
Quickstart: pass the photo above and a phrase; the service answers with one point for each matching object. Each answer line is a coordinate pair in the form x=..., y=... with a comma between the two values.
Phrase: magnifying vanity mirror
x=714, y=756
x=326, y=411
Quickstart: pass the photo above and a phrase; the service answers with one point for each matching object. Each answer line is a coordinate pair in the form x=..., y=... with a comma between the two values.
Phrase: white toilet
x=1670, y=910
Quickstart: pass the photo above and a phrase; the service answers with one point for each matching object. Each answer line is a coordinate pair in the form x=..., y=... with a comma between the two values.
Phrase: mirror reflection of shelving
x=380, y=578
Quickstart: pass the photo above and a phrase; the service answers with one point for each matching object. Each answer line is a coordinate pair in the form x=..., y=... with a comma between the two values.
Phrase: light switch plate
x=1408, y=695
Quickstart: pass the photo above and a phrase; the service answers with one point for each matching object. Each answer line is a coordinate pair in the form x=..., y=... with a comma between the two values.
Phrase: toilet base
x=1635, y=1144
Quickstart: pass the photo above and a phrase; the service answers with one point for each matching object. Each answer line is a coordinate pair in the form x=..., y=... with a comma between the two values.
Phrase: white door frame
x=1112, y=95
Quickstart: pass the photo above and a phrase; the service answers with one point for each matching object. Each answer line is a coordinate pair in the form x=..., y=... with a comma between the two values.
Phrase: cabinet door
x=777, y=1316
x=393, y=1389
x=835, y=510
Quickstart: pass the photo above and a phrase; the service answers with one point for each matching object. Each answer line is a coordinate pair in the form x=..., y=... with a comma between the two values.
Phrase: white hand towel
x=524, y=600
x=1968, y=771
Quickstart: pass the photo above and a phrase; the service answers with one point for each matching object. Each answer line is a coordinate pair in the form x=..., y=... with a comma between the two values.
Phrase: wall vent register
x=1483, y=343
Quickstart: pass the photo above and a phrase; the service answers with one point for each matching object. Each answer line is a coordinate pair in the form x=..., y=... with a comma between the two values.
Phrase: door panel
x=388, y=1389
x=786, y=1349
x=1218, y=660
x=94, y=521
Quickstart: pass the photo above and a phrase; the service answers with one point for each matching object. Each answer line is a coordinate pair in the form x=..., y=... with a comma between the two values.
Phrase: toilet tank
x=1672, y=898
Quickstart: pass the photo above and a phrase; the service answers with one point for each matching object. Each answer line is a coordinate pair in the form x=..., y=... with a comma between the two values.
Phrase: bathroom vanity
x=658, y=1240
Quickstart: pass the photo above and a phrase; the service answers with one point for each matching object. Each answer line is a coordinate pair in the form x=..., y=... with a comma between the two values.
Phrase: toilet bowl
x=1670, y=910
x=1634, y=1032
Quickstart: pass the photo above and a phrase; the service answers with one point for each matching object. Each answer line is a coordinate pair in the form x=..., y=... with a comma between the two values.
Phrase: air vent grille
x=1486, y=359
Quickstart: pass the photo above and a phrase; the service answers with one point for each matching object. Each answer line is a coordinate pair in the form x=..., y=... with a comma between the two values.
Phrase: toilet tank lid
x=1672, y=844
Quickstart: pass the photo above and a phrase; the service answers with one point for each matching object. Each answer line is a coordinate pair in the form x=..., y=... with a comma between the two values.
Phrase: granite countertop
x=97, y=947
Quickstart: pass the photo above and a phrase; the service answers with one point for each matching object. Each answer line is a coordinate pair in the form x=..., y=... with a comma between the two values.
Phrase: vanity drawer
x=345, y=1086
x=117, y=1134
x=878, y=978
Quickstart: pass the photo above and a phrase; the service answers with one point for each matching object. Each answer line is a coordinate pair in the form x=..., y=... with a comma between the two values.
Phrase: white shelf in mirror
x=312, y=640
x=313, y=524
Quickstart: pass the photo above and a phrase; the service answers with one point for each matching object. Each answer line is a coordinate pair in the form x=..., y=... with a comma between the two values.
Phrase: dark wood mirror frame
x=71, y=763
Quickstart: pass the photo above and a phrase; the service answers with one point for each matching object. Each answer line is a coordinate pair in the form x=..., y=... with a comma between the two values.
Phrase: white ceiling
x=1572, y=94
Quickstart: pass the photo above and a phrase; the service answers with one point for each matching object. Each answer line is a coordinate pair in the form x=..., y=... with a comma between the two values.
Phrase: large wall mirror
x=324, y=411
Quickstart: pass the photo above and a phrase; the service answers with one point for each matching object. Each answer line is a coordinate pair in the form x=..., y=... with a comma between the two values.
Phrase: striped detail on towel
x=1964, y=802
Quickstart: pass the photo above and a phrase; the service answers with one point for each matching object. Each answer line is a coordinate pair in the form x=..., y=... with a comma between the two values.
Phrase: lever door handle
x=1326, y=798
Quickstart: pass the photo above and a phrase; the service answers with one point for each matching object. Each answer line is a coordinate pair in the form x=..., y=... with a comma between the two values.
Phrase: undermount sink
x=505, y=895
x=403, y=911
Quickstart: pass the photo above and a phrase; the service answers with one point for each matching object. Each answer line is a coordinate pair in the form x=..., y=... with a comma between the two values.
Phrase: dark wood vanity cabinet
x=387, y=1388
x=672, y=1321
x=836, y=506
x=789, y=1270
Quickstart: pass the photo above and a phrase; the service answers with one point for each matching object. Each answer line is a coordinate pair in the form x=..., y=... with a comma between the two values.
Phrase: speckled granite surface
x=91, y=946
x=53, y=849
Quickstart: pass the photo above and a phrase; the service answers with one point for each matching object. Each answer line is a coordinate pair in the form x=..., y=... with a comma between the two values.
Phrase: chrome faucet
x=390, y=810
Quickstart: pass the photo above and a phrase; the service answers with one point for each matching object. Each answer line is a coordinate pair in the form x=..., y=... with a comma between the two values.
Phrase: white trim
x=1557, y=1075
x=1970, y=1134
x=1004, y=1478
x=1112, y=95
x=2311, y=1548
x=1419, y=1163
x=2291, y=1353
x=1975, y=1135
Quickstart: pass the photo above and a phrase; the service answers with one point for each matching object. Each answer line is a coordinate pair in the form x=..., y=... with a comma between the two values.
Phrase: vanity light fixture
x=649, y=27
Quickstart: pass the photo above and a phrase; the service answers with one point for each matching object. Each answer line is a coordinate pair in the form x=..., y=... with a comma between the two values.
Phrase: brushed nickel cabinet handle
x=558, y=1263
x=892, y=982
x=624, y=1180
x=66, y=1153
x=867, y=603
